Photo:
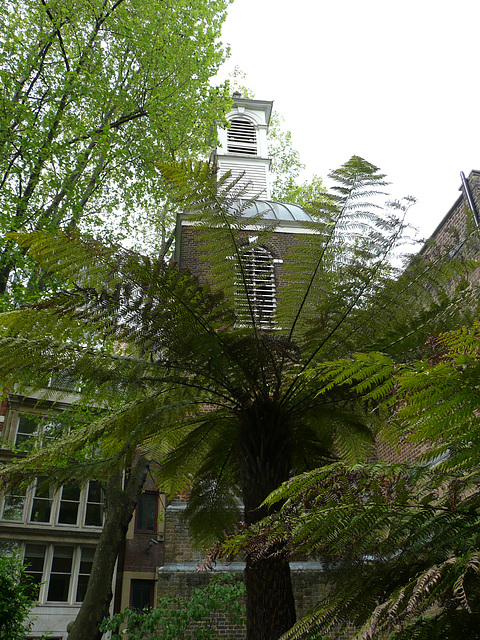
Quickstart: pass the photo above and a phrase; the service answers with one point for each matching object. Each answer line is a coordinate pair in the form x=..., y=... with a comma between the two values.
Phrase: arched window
x=259, y=281
x=242, y=137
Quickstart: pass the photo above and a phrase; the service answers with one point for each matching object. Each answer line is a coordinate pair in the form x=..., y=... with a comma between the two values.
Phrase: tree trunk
x=264, y=462
x=120, y=505
x=270, y=603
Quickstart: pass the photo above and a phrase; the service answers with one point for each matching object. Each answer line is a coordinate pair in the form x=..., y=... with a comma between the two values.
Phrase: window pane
x=69, y=505
x=81, y=588
x=86, y=560
x=93, y=515
x=95, y=492
x=35, y=555
x=68, y=513
x=62, y=560
x=60, y=574
x=42, y=504
x=13, y=504
x=58, y=588
x=27, y=431
x=34, y=559
x=71, y=492
x=41, y=510
x=94, y=510
x=84, y=573
x=141, y=594
x=146, y=512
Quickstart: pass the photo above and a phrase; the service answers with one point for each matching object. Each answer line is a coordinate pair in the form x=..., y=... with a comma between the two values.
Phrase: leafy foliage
x=286, y=165
x=88, y=93
x=17, y=597
x=305, y=194
x=174, y=618
x=154, y=347
x=400, y=542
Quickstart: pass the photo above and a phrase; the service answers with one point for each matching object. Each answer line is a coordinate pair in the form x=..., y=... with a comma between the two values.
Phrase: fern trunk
x=270, y=603
x=120, y=505
x=264, y=465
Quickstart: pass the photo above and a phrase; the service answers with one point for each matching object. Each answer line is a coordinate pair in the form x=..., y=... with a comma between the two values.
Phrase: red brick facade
x=192, y=257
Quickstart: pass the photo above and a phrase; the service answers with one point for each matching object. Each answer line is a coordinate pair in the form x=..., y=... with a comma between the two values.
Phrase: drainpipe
x=470, y=201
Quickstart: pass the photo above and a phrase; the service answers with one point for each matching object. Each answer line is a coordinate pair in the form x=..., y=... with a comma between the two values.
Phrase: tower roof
x=240, y=105
x=268, y=210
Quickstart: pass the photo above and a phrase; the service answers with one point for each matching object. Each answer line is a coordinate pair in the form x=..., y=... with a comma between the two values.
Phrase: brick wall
x=404, y=452
x=141, y=555
x=308, y=588
x=192, y=256
x=180, y=573
x=178, y=545
x=451, y=233
x=448, y=236
x=181, y=585
x=454, y=224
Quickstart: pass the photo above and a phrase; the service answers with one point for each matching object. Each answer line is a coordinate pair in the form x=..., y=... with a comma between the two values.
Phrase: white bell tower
x=242, y=148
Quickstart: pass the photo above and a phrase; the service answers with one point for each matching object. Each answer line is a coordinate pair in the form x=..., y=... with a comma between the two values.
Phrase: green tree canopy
x=286, y=165
x=286, y=168
x=154, y=347
x=92, y=94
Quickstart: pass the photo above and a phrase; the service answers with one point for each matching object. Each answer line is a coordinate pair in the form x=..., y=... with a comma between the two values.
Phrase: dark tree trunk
x=270, y=603
x=120, y=505
x=264, y=464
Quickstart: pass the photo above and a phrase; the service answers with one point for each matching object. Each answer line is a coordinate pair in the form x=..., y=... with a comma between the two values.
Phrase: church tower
x=242, y=148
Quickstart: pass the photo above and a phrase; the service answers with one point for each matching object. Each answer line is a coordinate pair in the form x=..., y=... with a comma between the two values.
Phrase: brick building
x=461, y=218
x=455, y=236
x=56, y=530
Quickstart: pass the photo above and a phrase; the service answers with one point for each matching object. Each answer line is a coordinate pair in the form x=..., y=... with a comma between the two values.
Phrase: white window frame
x=47, y=570
x=54, y=510
x=12, y=424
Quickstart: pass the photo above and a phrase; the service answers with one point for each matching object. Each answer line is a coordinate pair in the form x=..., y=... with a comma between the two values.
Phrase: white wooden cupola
x=242, y=148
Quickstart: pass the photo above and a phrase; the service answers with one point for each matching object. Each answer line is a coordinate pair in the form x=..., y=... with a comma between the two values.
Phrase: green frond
x=400, y=545
x=184, y=450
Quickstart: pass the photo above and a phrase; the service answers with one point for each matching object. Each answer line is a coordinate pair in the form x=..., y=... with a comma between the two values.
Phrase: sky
x=393, y=82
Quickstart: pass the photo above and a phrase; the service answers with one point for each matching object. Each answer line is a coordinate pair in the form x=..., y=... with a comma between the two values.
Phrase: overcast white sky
x=394, y=82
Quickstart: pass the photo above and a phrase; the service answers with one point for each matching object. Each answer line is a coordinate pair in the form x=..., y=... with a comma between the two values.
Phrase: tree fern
x=233, y=410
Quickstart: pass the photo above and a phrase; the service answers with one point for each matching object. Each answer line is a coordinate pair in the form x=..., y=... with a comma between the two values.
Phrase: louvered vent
x=242, y=137
x=252, y=177
x=259, y=282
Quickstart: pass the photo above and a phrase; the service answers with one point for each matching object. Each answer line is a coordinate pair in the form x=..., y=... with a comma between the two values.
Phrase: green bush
x=17, y=596
x=175, y=618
